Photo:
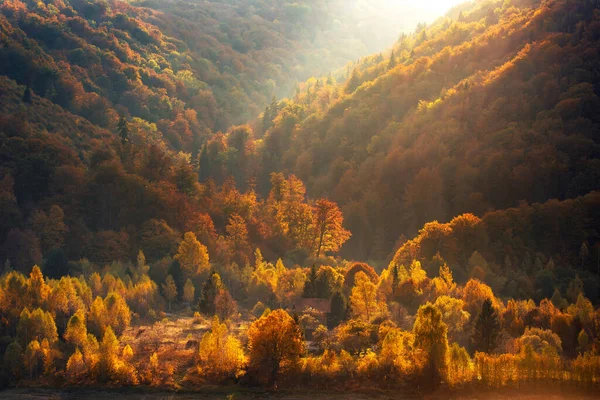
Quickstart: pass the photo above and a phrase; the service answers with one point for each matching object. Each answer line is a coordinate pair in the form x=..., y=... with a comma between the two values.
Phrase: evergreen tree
x=27, y=95
x=123, y=129
x=204, y=164
x=487, y=328
x=395, y=278
x=310, y=286
x=392, y=62
x=338, y=310
x=210, y=290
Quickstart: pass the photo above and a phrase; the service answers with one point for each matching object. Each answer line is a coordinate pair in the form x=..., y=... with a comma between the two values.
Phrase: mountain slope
x=472, y=114
x=186, y=67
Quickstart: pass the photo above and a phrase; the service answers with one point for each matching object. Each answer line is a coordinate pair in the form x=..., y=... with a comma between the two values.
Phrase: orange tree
x=275, y=345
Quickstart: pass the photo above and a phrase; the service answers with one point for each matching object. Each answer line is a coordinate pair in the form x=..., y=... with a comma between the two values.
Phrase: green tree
x=13, y=360
x=123, y=129
x=310, y=286
x=210, y=290
x=27, y=95
x=487, y=328
x=338, y=309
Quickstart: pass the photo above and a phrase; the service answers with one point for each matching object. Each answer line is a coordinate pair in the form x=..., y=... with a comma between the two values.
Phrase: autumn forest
x=249, y=196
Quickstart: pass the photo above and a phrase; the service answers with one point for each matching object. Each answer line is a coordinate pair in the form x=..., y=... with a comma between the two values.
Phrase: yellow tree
x=460, y=367
x=192, y=256
x=329, y=234
x=275, y=345
x=293, y=215
x=38, y=324
x=363, y=298
x=188, y=291
x=431, y=336
x=33, y=359
x=108, y=363
x=453, y=314
x=14, y=296
x=76, y=367
x=119, y=314
x=221, y=356
x=98, y=317
x=397, y=353
x=37, y=289
x=76, y=332
x=237, y=236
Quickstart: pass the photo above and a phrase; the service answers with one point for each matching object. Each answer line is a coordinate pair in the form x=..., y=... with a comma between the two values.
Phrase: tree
x=119, y=314
x=97, y=317
x=158, y=239
x=188, y=291
x=329, y=232
x=192, y=256
x=583, y=341
x=275, y=345
x=338, y=309
x=363, y=299
x=169, y=290
x=13, y=360
x=13, y=297
x=210, y=289
x=109, y=356
x=50, y=228
x=225, y=305
x=310, y=286
x=574, y=289
x=392, y=63
x=33, y=359
x=76, y=332
x=221, y=356
x=237, y=237
x=27, y=95
x=76, y=367
x=38, y=324
x=459, y=365
x=37, y=289
x=453, y=315
x=431, y=336
x=123, y=129
x=584, y=254
x=486, y=329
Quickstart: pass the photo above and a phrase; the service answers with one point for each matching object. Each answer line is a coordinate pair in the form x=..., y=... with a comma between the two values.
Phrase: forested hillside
x=423, y=217
x=488, y=107
x=177, y=70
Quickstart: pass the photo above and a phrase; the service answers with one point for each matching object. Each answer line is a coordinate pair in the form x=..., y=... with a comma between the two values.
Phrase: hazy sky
x=437, y=7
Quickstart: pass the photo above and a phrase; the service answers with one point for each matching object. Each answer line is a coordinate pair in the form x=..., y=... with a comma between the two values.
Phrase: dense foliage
x=146, y=239
x=479, y=111
x=179, y=69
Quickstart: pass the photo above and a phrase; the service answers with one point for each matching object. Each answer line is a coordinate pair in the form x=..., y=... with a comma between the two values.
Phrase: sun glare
x=436, y=8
